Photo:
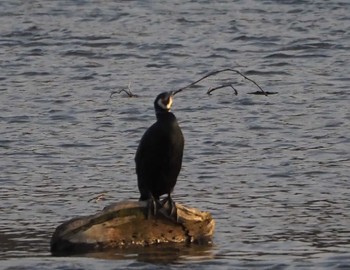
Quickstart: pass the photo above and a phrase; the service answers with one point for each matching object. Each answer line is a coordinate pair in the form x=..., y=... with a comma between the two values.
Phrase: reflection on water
x=162, y=254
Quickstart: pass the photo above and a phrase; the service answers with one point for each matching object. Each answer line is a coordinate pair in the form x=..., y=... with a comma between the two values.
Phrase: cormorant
x=159, y=155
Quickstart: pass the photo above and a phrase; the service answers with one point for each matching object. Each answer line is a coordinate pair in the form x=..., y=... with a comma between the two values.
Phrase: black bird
x=159, y=155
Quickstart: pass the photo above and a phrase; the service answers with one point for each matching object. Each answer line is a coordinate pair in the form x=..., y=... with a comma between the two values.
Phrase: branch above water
x=212, y=89
x=123, y=90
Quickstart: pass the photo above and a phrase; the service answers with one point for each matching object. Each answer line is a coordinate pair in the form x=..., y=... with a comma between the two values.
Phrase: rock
x=125, y=224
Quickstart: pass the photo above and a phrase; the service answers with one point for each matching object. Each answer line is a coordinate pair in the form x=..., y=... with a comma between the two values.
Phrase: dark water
x=273, y=171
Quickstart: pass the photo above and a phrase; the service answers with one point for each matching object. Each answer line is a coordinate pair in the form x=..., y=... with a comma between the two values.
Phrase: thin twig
x=99, y=197
x=222, y=86
x=215, y=73
x=126, y=91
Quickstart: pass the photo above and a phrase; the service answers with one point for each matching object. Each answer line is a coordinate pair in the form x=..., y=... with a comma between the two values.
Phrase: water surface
x=273, y=171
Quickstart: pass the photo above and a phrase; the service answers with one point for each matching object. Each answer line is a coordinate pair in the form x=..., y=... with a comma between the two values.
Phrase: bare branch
x=126, y=91
x=222, y=86
x=209, y=92
x=213, y=73
x=99, y=197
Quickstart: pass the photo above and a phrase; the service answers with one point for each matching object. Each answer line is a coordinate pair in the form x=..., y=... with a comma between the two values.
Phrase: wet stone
x=125, y=224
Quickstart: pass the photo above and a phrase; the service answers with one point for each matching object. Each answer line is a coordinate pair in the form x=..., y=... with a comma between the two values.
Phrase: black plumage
x=159, y=154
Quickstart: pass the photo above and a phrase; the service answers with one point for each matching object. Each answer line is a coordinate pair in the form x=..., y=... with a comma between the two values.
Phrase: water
x=273, y=171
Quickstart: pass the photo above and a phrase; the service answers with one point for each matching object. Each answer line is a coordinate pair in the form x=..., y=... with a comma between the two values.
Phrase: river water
x=273, y=171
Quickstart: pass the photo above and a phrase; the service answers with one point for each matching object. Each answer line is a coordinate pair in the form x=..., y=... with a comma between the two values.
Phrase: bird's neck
x=165, y=115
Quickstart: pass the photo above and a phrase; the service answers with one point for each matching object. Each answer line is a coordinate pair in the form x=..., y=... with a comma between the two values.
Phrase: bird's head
x=163, y=102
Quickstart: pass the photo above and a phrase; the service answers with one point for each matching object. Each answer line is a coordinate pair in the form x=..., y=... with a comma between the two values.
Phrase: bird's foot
x=170, y=208
x=166, y=207
x=153, y=206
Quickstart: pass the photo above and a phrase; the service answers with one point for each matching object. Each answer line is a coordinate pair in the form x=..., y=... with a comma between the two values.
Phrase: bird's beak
x=169, y=101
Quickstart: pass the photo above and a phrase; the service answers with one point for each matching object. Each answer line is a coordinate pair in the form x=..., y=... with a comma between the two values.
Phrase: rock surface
x=125, y=224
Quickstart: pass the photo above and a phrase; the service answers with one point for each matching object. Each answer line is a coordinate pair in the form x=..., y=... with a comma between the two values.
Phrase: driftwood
x=125, y=224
